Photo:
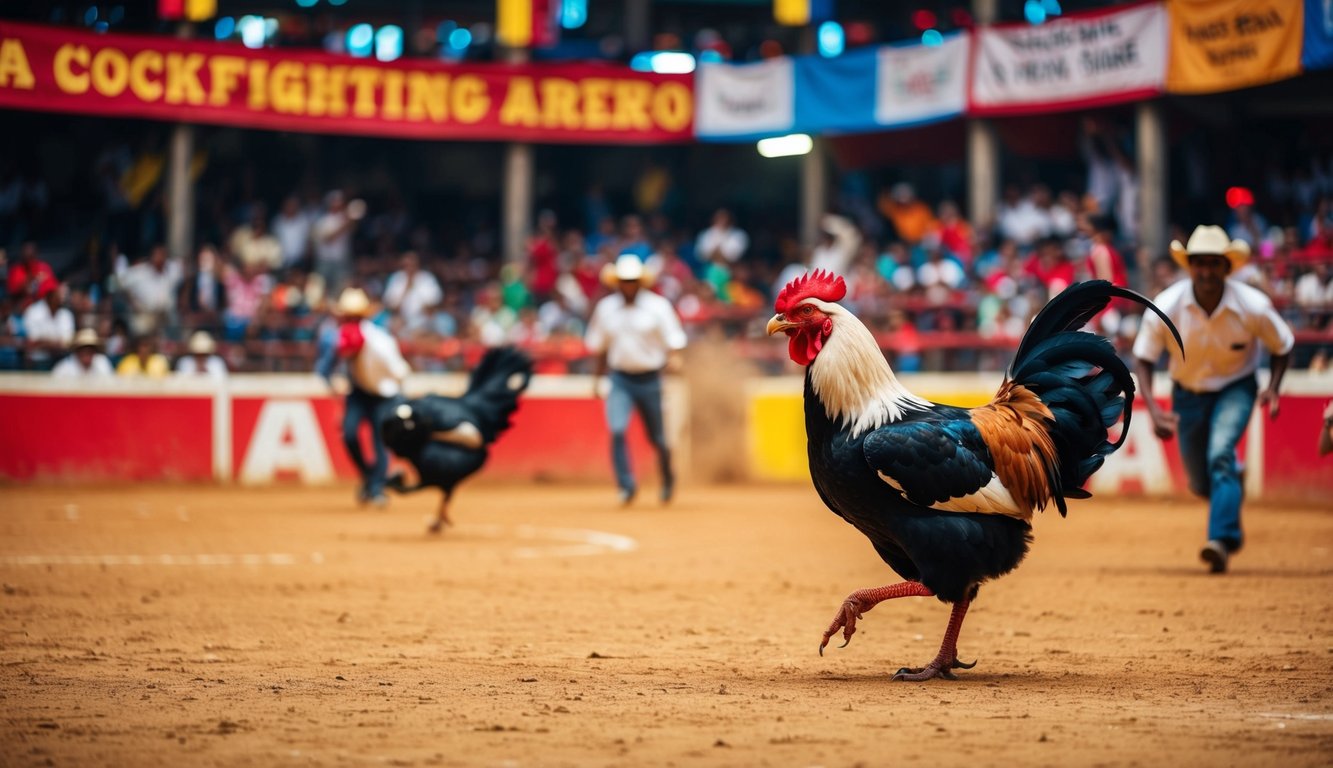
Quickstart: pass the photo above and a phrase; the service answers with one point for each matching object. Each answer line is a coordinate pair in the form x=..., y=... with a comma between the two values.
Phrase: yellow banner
x=1221, y=45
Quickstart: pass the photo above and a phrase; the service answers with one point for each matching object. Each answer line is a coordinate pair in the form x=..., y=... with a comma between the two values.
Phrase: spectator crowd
x=941, y=292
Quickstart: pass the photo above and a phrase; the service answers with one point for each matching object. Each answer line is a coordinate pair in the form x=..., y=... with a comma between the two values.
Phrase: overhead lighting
x=932, y=37
x=832, y=40
x=360, y=40
x=389, y=42
x=671, y=63
x=786, y=146
x=573, y=13
x=252, y=31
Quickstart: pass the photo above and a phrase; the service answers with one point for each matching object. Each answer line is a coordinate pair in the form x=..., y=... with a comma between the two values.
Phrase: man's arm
x=1269, y=397
x=1163, y=422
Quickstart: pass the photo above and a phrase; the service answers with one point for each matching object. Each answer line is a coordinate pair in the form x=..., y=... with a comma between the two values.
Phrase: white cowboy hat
x=86, y=337
x=201, y=343
x=627, y=269
x=1211, y=240
x=354, y=303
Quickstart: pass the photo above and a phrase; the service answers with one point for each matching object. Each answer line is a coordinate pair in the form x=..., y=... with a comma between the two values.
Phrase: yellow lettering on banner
x=364, y=80
x=520, y=107
x=141, y=65
x=66, y=57
x=560, y=103
x=393, y=95
x=258, y=80
x=110, y=71
x=287, y=87
x=673, y=107
x=224, y=74
x=596, y=107
x=468, y=99
x=15, y=72
x=328, y=90
x=631, y=98
x=183, y=84
x=427, y=96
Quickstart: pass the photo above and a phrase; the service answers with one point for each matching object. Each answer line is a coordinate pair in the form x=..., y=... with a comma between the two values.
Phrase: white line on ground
x=252, y=560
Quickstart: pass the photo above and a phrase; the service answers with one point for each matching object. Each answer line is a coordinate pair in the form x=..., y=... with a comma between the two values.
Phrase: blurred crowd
x=939, y=291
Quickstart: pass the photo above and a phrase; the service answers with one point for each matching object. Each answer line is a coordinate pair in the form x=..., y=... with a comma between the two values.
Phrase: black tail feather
x=494, y=387
x=1081, y=379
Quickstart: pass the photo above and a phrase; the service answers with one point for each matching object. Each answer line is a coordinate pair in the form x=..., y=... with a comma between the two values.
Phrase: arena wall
x=264, y=429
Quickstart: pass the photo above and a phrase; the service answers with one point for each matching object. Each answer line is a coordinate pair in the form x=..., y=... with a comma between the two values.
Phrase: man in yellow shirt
x=145, y=360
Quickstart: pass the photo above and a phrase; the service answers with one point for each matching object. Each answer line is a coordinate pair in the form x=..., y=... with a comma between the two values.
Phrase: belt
x=644, y=376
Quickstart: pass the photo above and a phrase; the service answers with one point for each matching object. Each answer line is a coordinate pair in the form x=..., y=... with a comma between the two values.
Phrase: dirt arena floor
x=196, y=626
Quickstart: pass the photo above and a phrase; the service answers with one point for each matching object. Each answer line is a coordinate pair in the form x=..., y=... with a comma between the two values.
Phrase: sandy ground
x=196, y=626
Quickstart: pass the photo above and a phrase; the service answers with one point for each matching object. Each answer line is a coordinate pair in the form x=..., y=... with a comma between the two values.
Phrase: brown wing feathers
x=1014, y=426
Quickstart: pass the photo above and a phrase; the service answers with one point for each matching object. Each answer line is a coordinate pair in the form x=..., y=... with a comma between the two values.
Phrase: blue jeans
x=1211, y=424
x=641, y=391
x=365, y=407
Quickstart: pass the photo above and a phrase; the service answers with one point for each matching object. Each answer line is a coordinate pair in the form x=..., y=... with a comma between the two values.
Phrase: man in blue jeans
x=635, y=334
x=1226, y=326
x=375, y=372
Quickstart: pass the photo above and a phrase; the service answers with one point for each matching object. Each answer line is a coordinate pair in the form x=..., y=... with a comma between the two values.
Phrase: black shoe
x=1215, y=554
x=668, y=490
x=627, y=496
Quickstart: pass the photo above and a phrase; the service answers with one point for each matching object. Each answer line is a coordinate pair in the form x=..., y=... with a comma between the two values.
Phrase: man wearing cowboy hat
x=85, y=361
x=376, y=369
x=635, y=334
x=1223, y=322
x=202, y=358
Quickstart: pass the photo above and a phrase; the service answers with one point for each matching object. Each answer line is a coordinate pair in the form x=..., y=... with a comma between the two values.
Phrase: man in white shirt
x=636, y=335
x=151, y=288
x=723, y=240
x=85, y=361
x=202, y=358
x=48, y=326
x=333, y=239
x=376, y=369
x=412, y=293
x=1223, y=323
x=292, y=228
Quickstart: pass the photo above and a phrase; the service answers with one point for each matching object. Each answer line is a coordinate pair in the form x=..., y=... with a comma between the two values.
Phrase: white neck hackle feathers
x=853, y=380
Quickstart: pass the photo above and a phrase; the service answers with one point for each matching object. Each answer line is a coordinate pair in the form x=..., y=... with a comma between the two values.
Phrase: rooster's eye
x=806, y=310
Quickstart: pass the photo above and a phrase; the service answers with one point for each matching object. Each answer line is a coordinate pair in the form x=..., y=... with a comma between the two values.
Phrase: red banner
x=58, y=69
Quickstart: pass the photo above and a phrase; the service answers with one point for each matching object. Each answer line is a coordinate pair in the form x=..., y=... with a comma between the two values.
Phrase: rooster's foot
x=845, y=620
x=932, y=670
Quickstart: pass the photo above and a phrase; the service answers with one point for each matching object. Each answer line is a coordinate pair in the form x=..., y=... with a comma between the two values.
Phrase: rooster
x=446, y=438
x=946, y=495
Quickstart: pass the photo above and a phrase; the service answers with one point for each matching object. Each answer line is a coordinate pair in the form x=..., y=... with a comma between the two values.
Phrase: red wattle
x=803, y=346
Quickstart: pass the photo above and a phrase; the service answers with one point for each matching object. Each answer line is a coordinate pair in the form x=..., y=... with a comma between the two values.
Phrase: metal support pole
x=180, y=188
x=814, y=192
x=814, y=171
x=1153, y=160
x=983, y=147
x=516, y=206
x=983, y=173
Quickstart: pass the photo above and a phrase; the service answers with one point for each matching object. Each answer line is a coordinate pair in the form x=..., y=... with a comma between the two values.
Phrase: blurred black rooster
x=946, y=494
x=446, y=438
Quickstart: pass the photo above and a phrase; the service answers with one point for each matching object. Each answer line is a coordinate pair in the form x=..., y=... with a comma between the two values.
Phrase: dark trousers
x=641, y=392
x=1211, y=424
x=365, y=407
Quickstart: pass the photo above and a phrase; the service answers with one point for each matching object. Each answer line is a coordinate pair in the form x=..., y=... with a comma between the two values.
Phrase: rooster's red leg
x=863, y=600
x=442, y=519
x=947, y=659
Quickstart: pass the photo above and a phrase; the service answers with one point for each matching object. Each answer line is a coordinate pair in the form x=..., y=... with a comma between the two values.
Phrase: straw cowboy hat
x=1211, y=240
x=353, y=303
x=86, y=337
x=627, y=269
x=201, y=343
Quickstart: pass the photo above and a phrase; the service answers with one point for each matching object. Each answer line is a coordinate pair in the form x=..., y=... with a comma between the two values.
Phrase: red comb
x=820, y=284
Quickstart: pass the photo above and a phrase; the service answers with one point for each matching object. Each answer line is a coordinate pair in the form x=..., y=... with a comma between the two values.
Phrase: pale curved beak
x=777, y=324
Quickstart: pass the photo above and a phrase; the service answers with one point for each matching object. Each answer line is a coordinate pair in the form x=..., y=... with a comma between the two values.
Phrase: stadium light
x=672, y=63
x=252, y=31
x=224, y=28
x=307, y=3
x=832, y=39
x=1034, y=11
x=932, y=37
x=786, y=146
x=360, y=40
x=389, y=42
x=573, y=13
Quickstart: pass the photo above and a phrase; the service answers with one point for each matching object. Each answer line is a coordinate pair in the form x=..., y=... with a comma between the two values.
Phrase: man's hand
x=1164, y=423
x=597, y=387
x=340, y=387
x=675, y=362
x=1269, y=399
